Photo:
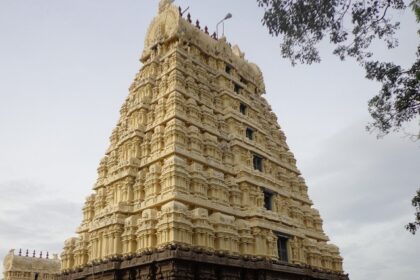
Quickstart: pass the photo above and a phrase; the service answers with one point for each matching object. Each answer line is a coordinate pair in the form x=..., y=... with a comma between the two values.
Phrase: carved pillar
x=146, y=233
x=198, y=183
x=152, y=183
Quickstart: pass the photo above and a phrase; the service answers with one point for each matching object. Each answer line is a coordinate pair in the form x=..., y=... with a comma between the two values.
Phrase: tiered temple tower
x=198, y=181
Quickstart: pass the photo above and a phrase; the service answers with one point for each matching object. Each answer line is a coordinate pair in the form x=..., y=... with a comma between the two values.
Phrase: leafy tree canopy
x=414, y=226
x=351, y=26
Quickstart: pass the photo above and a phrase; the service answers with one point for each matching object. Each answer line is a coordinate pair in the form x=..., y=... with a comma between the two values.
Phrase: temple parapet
x=30, y=265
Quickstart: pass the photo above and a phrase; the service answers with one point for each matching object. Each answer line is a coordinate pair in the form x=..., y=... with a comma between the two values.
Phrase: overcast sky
x=65, y=69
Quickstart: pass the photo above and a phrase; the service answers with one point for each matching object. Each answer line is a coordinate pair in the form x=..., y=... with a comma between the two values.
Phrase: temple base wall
x=178, y=263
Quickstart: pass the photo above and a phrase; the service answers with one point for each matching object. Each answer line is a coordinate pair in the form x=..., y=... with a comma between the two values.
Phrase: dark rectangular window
x=242, y=108
x=228, y=69
x=282, y=248
x=250, y=133
x=268, y=200
x=257, y=162
x=237, y=88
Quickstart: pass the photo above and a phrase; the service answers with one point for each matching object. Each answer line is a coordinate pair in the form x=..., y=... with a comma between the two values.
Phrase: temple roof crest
x=164, y=4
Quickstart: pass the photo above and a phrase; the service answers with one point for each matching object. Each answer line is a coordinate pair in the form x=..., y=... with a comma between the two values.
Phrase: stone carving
x=29, y=266
x=180, y=170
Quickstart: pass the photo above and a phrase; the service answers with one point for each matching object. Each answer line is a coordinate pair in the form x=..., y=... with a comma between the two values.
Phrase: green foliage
x=398, y=101
x=415, y=6
x=414, y=226
x=351, y=26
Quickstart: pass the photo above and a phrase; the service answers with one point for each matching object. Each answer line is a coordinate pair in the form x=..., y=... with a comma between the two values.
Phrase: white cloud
x=363, y=187
x=35, y=218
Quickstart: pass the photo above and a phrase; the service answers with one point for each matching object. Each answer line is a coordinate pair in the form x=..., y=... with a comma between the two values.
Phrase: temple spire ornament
x=198, y=180
x=164, y=4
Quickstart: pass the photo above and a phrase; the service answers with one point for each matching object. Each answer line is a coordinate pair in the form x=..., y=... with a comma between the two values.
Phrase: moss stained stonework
x=198, y=181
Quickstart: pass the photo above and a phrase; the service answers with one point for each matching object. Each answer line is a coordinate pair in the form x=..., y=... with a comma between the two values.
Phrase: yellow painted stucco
x=181, y=166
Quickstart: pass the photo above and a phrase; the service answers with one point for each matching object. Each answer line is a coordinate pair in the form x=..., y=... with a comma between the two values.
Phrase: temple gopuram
x=29, y=266
x=198, y=181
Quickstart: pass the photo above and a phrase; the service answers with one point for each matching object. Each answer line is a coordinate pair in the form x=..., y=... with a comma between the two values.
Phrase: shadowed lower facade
x=198, y=181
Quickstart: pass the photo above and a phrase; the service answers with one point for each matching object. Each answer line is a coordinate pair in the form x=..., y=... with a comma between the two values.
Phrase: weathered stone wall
x=174, y=263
